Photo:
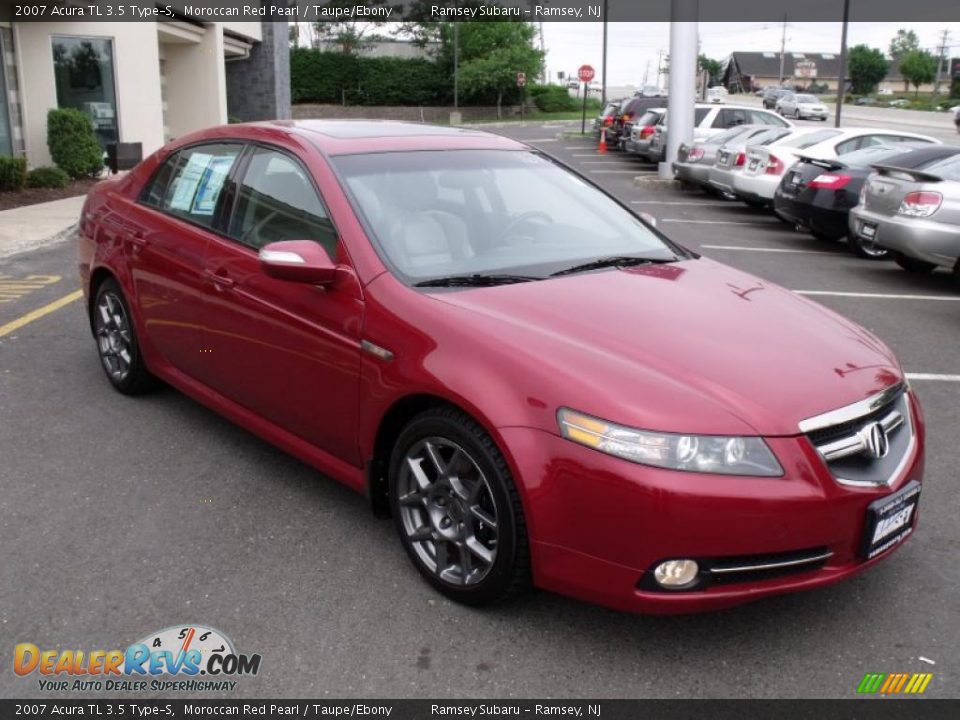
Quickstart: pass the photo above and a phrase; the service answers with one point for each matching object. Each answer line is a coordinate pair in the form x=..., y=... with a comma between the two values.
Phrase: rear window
x=769, y=136
x=870, y=155
x=811, y=139
x=648, y=118
x=728, y=135
x=948, y=169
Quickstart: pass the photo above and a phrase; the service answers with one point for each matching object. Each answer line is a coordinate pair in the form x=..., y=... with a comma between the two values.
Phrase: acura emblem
x=875, y=439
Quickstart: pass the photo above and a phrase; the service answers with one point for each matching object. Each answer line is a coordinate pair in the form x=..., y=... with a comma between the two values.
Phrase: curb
x=36, y=243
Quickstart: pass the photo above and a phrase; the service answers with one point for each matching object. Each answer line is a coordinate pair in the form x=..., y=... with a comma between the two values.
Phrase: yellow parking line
x=39, y=313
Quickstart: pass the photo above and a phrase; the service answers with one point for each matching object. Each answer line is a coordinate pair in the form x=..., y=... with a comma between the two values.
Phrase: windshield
x=460, y=212
x=809, y=99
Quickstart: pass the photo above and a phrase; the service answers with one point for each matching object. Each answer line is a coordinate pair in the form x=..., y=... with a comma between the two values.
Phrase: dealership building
x=140, y=82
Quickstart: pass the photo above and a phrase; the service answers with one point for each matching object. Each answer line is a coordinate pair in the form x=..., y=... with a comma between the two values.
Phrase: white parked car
x=709, y=120
x=801, y=106
x=765, y=166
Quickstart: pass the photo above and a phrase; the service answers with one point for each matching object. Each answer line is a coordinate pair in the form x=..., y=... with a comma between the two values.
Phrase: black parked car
x=771, y=95
x=631, y=109
x=818, y=194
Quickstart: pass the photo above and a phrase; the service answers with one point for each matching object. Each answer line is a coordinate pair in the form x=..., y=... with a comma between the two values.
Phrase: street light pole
x=456, y=65
x=842, y=79
x=603, y=87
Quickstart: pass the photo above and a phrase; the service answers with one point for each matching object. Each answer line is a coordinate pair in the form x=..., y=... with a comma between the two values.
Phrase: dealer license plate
x=890, y=520
x=753, y=164
x=868, y=231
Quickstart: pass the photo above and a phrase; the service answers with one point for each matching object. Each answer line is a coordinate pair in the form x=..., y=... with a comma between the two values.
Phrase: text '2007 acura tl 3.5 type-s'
x=536, y=384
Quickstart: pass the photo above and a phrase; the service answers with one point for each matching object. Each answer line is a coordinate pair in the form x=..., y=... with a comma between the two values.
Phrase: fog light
x=674, y=573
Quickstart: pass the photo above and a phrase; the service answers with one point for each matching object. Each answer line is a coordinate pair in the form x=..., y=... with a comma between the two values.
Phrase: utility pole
x=456, y=65
x=842, y=79
x=659, y=67
x=940, y=59
x=603, y=87
x=783, y=47
x=646, y=72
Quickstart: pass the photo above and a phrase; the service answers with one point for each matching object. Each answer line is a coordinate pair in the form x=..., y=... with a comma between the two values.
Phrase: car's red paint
x=695, y=347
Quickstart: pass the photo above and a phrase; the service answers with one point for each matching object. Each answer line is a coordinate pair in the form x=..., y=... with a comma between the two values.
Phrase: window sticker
x=210, y=185
x=185, y=186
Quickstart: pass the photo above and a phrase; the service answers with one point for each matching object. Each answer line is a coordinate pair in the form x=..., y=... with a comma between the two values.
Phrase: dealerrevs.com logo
x=185, y=657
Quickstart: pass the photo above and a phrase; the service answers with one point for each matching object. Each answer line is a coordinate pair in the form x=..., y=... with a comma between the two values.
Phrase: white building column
x=683, y=87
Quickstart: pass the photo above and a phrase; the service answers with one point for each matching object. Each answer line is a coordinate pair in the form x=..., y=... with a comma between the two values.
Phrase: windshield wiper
x=475, y=280
x=615, y=261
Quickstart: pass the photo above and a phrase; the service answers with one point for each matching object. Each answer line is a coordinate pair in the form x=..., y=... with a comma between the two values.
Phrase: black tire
x=117, y=344
x=449, y=430
x=866, y=249
x=921, y=267
x=755, y=204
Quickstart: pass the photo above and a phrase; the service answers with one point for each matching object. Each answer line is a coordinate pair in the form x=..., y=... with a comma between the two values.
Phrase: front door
x=289, y=352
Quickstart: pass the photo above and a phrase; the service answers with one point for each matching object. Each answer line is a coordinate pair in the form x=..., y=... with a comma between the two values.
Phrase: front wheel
x=117, y=341
x=457, y=510
x=913, y=265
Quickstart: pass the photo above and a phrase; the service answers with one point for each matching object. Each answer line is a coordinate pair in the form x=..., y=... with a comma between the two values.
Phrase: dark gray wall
x=258, y=88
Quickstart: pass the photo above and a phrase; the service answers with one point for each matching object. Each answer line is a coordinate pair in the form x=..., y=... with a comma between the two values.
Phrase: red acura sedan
x=536, y=384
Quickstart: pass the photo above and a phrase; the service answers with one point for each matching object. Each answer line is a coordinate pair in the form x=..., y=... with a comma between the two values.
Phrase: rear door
x=168, y=234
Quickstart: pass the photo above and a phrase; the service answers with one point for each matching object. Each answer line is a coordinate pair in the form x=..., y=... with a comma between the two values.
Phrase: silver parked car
x=695, y=160
x=732, y=157
x=914, y=213
x=801, y=106
x=712, y=120
x=642, y=131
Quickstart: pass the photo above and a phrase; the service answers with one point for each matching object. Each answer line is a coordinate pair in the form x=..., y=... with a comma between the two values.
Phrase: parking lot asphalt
x=123, y=516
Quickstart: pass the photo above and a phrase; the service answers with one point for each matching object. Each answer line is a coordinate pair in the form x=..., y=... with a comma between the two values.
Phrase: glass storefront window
x=6, y=141
x=83, y=68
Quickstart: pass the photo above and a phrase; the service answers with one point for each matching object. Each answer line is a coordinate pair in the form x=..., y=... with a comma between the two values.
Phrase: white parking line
x=933, y=376
x=768, y=250
x=611, y=161
x=627, y=172
x=698, y=204
x=879, y=296
x=770, y=223
x=579, y=147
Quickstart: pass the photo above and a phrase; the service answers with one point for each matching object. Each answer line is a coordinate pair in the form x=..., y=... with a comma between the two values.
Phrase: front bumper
x=598, y=524
x=926, y=240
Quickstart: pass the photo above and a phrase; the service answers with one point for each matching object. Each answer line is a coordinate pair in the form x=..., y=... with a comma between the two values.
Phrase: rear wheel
x=457, y=510
x=117, y=341
x=867, y=249
x=913, y=265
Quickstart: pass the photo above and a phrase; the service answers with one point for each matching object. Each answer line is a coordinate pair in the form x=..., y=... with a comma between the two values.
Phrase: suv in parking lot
x=771, y=95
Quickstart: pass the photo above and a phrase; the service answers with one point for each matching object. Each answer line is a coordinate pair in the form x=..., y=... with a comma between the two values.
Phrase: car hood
x=692, y=346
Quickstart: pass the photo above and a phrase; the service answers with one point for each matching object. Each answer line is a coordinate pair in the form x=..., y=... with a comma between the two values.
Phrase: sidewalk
x=25, y=228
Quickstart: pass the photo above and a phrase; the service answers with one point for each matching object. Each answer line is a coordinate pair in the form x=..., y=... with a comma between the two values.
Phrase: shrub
x=47, y=177
x=13, y=173
x=73, y=144
x=553, y=98
x=331, y=77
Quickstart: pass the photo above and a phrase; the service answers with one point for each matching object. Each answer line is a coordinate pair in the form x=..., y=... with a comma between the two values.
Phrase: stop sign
x=585, y=73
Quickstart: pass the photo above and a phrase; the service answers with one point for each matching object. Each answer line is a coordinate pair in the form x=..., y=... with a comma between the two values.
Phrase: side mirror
x=302, y=261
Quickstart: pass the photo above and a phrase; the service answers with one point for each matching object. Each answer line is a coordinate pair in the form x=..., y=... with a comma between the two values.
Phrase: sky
x=631, y=46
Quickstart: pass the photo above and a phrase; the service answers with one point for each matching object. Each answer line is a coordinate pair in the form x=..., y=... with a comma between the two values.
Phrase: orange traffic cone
x=603, y=141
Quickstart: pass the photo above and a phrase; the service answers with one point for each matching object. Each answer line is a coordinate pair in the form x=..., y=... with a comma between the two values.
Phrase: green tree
x=867, y=67
x=491, y=55
x=918, y=67
x=351, y=36
x=713, y=67
x=904, y=42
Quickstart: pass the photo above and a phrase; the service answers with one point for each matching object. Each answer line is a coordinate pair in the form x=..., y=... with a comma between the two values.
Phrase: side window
x=848, y=146
x=277, y=201
x=158, y=184
x=731, y=117
x=760, y=118
x=197, y=175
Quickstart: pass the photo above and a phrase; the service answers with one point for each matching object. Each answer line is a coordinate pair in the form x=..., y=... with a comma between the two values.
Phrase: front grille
x=867, y=450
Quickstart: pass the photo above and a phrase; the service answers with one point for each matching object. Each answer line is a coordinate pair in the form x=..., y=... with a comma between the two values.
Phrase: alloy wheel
x=872, y=250
x=447, y=511
x=114, y=340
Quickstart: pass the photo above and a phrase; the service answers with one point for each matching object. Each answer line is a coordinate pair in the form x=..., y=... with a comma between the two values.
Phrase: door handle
x=136, y=238
x=219, y=279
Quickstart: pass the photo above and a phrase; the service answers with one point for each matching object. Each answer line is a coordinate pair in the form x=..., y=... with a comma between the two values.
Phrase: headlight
x=717, y=454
